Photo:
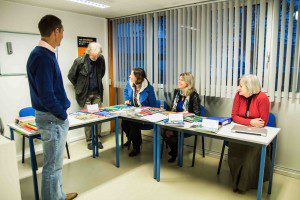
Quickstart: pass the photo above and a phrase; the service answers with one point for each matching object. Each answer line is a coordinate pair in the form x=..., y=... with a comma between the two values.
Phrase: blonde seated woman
x=186, y=99
x=251, y=107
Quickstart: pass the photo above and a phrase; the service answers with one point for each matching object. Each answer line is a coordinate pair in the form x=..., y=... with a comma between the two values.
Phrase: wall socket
x=9, y=48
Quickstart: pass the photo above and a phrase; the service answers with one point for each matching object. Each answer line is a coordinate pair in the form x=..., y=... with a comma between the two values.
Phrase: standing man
x=49, y=99
x=86, y=75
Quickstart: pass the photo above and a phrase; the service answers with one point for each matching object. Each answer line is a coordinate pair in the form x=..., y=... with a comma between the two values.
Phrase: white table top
x=225, y=132
x=72, y=121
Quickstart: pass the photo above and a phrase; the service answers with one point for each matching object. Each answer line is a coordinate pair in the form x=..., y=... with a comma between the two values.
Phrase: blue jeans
x=54, y=134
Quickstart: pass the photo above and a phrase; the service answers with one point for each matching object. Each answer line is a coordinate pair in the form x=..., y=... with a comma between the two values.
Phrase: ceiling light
x=90, y=3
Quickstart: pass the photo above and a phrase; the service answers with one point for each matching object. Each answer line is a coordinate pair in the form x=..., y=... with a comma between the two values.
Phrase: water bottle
x=162, y=104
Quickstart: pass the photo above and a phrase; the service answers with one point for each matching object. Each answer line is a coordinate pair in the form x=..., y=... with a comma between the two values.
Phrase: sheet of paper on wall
x=93, y=108
x=155, y=117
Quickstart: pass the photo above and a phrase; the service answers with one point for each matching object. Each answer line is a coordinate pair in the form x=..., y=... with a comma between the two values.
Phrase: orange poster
x=83, y=42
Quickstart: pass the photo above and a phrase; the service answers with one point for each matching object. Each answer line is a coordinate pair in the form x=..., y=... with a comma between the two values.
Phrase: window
x=218, y=43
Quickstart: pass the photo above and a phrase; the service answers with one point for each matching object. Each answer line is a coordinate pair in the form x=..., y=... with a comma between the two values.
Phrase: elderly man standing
x=86, y=75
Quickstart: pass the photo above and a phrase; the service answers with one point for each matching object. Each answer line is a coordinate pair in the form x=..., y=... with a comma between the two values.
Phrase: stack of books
x=28, y=123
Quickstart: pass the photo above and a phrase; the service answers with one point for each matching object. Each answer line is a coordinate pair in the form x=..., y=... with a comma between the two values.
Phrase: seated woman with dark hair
x=186, y=99
x=138, y=92
x=251, y=107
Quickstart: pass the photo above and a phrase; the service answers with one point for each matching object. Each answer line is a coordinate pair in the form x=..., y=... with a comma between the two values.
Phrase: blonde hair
x=94, y=47
x=189, y=79
x=251, y=83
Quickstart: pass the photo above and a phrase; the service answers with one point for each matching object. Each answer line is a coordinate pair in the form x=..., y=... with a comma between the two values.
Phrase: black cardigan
x=194, y=103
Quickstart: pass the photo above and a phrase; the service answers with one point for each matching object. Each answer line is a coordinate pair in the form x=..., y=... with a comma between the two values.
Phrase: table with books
x=194, y=125
x=183, y=123
x=26, y=126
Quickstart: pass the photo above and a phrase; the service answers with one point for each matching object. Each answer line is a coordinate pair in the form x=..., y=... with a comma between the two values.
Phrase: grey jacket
x=79, y=77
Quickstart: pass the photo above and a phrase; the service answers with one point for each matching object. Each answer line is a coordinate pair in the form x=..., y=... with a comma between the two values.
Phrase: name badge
x=93, y=108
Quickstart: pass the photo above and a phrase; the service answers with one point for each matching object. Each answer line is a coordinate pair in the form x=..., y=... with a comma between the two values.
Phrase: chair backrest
x=158, y=104
x=29, y=111
x=272, y=120
x=202, y=111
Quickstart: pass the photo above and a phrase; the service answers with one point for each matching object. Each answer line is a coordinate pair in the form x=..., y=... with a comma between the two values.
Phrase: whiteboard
x=22, y=45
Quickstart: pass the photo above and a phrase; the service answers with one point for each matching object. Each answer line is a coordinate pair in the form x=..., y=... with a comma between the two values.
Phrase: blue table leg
x=12, y=136
x=117, y=142
x=274, y=145
x=96, y=140
x=181, y=149
x=154, y=151
x=158, y=153
x=33, y=168
x=261, y=172
x=93, y=141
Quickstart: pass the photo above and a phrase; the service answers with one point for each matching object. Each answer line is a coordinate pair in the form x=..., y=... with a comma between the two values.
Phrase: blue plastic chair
x=271, y=123
x=29, y=111
x=122, y=133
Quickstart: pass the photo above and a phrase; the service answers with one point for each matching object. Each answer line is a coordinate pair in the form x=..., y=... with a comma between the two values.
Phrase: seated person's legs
x=171, y=138
x=126, y=128
x=136, y=138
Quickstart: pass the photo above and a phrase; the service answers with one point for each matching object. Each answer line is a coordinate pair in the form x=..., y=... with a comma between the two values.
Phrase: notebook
x=249, y=130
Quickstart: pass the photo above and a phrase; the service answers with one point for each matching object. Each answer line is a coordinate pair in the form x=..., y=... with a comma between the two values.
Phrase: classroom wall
x=14, y=90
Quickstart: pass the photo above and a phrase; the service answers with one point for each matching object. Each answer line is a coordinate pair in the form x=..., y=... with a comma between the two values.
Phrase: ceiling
x=117, y=7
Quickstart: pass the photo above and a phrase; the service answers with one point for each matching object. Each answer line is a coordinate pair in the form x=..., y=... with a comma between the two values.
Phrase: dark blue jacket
x=45, y=83
x=147, y=94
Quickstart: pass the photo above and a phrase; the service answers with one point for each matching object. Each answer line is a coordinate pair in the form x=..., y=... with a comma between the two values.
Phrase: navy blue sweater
x=45, y=82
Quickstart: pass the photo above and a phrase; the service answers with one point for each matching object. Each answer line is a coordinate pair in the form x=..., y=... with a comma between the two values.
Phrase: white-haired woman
x=86, y=75
x=186, y=99
x=251, y=107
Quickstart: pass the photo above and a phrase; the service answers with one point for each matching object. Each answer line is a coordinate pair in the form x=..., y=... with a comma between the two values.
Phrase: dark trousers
x=133, y=133
x=171, y=138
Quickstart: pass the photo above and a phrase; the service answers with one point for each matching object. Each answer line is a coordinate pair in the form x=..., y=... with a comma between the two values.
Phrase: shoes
x=172, y=153
x=100, y=145
x=172, y=159
x=126, y=144
x=90, y=146
x=134, y=152
x=71, y=196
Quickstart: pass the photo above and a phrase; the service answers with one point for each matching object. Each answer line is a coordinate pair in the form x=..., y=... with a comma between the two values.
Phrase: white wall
x=14, y=90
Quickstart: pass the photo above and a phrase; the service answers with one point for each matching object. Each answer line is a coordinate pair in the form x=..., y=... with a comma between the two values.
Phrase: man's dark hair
x=48, y=24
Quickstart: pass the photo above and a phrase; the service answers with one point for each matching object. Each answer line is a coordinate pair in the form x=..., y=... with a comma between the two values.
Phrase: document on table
x=176, y=117
x=155, y=117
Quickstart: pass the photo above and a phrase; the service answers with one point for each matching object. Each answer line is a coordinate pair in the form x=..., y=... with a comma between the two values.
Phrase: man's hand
x=127, y=102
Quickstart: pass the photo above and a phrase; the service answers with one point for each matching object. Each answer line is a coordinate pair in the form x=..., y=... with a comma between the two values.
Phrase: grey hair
x=252, y=83
x=189, y=79
x=94, y=47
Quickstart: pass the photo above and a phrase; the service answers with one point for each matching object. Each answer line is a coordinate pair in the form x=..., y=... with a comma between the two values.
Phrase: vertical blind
x=218, y=43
